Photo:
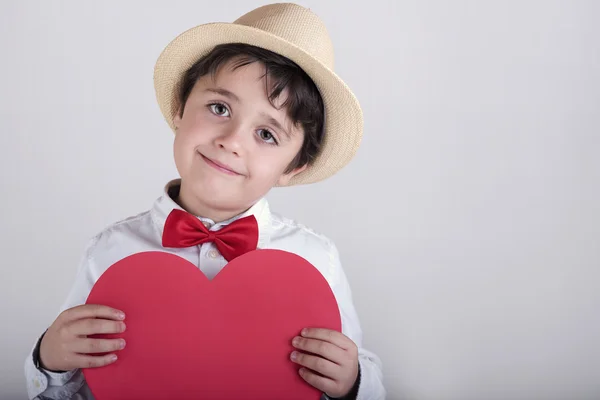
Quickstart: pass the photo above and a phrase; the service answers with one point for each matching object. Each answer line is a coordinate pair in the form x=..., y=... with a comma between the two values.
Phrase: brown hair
x=304, y=103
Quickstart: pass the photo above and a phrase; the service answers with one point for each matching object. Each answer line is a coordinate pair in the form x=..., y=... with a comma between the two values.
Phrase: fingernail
x=122, y=344
x=123, y=326
x=294, y=355
x=113, y=358
x=120, y=315
x=304, y=332
x=295, y=341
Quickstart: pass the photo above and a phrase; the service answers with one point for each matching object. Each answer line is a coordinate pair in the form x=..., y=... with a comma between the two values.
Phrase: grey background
x=468, y=223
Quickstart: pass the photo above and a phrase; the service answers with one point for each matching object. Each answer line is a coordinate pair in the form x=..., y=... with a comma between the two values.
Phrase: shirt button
x=213, y=254
x=36, y=383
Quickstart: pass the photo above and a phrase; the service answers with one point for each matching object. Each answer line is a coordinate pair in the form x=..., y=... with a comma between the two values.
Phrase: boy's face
x=232, y=146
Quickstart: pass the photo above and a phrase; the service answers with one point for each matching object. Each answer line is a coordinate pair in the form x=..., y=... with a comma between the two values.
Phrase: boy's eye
x=219, y=109
x=267, y=136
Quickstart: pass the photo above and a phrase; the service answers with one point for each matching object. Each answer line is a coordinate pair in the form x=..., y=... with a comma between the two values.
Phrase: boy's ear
x=177, y=118
x=285, y=177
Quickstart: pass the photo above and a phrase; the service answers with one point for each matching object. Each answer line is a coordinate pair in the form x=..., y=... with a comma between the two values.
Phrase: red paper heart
x=192, y=338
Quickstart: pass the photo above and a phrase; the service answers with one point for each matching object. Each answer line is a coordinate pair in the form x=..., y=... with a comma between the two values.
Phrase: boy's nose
x=231, y=141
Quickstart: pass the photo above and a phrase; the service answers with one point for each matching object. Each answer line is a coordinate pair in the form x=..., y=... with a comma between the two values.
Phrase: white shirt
x=144, y=233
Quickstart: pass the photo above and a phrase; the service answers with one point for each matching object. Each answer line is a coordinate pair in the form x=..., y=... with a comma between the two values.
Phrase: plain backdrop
x=468, y=223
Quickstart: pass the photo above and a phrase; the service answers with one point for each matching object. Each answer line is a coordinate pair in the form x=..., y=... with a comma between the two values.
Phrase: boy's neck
x=188, y=203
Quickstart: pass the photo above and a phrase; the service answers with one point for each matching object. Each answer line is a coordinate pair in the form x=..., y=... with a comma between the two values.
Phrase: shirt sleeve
x=43, y=384
x=371, y=377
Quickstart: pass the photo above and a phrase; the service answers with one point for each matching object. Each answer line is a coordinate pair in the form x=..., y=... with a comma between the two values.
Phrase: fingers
x=322, y=383
x=318, y=364
x=326, y=350
x=90, y=326
x=328, y=335
x=94, y=346
x=91, y=311
x=85, y=361
x=333, y=365
x=65, y=345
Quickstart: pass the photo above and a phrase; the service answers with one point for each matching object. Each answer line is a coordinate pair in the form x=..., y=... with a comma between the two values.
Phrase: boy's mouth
x=219, y=166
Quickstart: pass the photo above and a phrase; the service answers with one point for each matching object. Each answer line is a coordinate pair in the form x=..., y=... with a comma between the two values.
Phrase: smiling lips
x=219, y=167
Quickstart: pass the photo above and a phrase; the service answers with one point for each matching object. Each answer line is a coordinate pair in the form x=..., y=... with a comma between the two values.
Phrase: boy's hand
x=332, y=366
x=65, y=346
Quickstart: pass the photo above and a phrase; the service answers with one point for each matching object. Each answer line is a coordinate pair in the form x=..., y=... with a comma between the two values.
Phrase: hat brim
x=343, y=121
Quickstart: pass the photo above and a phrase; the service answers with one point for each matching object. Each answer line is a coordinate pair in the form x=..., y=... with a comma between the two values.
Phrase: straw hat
x=294, y=32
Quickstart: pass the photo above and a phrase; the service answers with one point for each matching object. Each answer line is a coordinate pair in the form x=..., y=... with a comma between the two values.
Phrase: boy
x=253, y=105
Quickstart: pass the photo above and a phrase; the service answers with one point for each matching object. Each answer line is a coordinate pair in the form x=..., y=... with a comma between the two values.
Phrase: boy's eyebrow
x=224, y=92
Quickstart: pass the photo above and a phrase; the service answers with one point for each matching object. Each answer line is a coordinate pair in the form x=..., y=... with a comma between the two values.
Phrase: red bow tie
x=184, y=230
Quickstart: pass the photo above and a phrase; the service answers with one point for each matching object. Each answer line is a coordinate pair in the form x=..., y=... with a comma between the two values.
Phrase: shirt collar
x=165, y=204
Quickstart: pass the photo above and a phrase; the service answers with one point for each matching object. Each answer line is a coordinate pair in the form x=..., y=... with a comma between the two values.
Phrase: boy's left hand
x=334, y=358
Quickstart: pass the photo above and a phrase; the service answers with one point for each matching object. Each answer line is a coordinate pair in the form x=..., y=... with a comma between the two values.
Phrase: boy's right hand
x=66, y=345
